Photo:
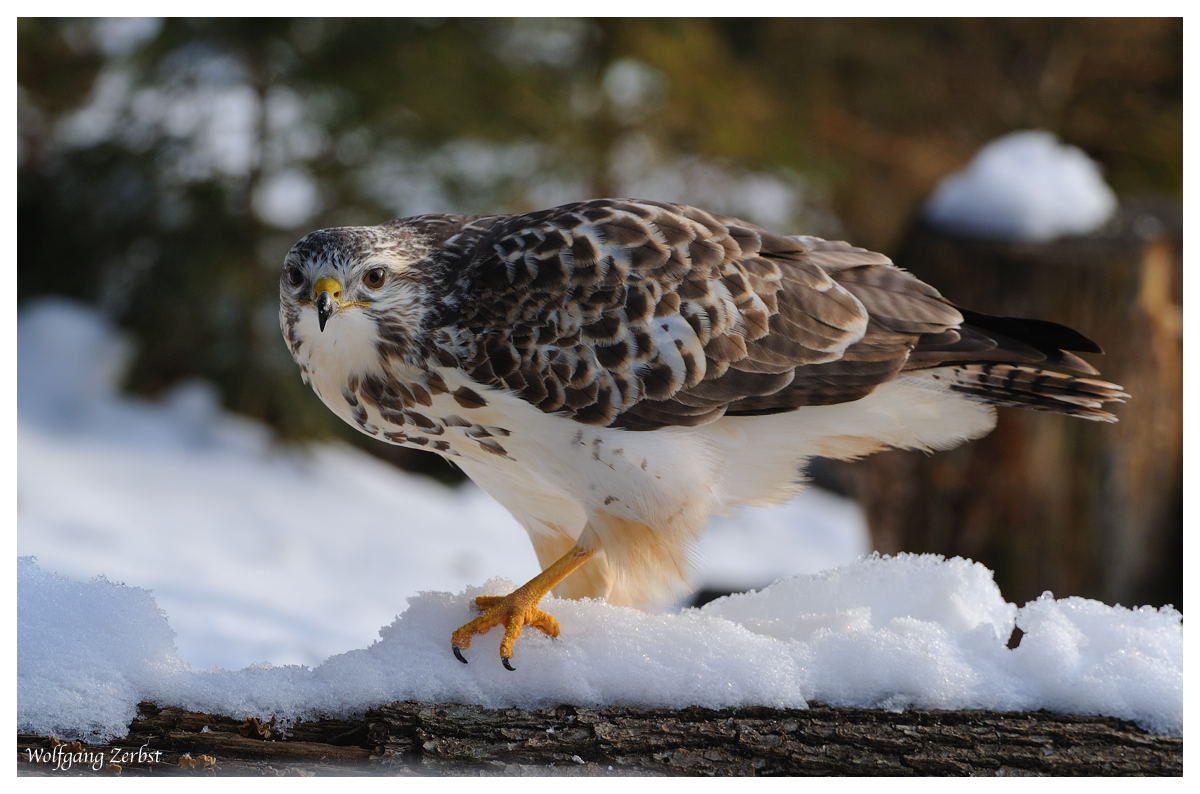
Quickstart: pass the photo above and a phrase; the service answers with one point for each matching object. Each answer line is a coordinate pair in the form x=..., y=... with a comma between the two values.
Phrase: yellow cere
x=330, y=285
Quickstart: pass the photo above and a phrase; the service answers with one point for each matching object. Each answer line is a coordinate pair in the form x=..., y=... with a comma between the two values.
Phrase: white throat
x=346, y=347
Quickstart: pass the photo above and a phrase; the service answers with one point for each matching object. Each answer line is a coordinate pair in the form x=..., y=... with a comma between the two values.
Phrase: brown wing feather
x=641, y=314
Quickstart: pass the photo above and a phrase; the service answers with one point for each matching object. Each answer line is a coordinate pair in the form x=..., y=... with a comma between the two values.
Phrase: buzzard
x=616, y=371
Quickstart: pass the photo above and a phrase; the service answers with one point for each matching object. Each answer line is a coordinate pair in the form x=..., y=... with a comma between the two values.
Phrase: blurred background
x=165, y=167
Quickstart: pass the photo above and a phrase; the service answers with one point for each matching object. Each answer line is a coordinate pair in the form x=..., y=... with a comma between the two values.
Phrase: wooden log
x=409, y=738
x=1050, y=502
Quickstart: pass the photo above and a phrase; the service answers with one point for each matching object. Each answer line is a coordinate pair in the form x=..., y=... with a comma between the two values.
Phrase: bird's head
x=354, y=292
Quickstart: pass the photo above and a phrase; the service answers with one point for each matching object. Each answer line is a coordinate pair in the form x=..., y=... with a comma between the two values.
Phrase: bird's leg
x=519, y=608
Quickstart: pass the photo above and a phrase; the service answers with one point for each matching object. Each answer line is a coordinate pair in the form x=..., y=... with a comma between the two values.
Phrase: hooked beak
x=326, y=294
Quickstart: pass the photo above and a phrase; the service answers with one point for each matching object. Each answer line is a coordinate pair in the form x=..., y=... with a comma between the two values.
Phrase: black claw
x=458, y=654
x=507, y=666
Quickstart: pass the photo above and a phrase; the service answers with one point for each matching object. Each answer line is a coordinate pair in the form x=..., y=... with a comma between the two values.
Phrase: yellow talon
x=518, y=609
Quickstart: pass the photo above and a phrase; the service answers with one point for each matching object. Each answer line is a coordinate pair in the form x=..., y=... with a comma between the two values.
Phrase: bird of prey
x=616, y=371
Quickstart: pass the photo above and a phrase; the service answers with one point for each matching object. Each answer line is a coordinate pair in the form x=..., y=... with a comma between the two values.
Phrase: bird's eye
x=294, y=276
x=374, y=277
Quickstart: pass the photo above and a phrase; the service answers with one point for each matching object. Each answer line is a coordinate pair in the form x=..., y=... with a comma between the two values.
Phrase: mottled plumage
x=615, y=371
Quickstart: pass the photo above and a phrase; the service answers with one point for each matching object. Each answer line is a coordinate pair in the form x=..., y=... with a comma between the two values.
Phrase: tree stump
x=408, y=738
x=1051, y=502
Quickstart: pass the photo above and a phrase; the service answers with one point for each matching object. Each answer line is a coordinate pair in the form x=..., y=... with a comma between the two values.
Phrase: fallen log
x=408, y=738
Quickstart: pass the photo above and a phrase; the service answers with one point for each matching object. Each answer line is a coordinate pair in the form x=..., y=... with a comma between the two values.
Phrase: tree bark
x=409, y=738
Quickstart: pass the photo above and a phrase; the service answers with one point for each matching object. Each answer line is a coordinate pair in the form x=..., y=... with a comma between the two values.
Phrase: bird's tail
x=1018, y=362
x=1027, y=386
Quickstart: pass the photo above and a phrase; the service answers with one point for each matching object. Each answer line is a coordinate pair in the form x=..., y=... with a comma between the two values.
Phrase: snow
x=86, y=653
x=213, y=516
x=883, y=632
x=1024, y=186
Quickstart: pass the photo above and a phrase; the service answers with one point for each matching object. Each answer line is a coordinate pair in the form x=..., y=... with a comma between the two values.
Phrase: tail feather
x=1024, y=386
x=1007, y=340
x=1014, y=361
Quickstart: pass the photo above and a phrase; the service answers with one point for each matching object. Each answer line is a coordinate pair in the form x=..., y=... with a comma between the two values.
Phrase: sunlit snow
x=1024, y=186
x=908, y=631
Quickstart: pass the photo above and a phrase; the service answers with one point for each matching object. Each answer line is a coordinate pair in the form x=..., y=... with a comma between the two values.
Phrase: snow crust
x=884, y=632
x=206, y=510
x=1024, y=186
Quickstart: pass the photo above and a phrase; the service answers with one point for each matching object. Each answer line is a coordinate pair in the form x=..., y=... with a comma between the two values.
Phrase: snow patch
x=1024, y=186
x=86, y=653
x=884, y=632
x=1081, y=656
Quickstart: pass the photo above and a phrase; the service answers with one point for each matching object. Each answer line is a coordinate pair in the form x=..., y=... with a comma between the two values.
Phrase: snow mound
x=1024, y=186
x=86, y=653
x=884, y=632
x=1081, y=656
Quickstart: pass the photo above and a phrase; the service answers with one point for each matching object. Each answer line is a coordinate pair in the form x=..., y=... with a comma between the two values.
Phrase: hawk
x=616, y=371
